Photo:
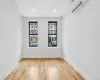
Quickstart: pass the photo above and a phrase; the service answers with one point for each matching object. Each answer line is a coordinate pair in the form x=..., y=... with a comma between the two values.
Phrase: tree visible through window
x=52, y=34
x=33, y=34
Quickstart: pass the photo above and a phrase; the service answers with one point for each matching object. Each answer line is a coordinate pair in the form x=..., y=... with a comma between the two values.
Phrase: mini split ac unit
x=77, y=4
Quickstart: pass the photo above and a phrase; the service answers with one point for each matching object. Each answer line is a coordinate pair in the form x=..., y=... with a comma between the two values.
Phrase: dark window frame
x=32, y=34
x=52, y=34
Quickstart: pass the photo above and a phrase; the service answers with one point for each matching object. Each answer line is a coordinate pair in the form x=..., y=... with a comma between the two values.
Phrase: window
x=33, y=34
x=52, y=34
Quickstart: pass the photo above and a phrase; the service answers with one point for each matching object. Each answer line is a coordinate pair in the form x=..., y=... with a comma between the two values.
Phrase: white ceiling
x=42, y=8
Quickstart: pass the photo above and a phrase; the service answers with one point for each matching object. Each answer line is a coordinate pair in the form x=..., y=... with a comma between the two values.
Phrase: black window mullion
x=49, y=45
x=36, y=35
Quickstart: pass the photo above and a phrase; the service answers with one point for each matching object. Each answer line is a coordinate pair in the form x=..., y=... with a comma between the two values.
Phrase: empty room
x=49, y=39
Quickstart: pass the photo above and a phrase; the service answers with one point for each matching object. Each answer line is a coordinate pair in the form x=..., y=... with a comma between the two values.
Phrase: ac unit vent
x=77, y=4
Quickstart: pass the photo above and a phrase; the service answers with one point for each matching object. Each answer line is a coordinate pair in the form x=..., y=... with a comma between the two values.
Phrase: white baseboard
x=2, y=77
x=87, y=77
x=82, y=73
x=8, y=72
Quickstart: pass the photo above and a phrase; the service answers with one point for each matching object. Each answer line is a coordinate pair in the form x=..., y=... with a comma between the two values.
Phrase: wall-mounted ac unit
x=77, y=4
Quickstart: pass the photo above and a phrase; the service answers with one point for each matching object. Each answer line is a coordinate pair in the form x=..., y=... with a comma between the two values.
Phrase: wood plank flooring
x=44, y=69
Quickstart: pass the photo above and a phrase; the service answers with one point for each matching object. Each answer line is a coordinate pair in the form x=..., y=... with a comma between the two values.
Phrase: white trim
x=82, y=73
x=32, y=47
x=53, y=47
x=10, y=70
x=87, y=77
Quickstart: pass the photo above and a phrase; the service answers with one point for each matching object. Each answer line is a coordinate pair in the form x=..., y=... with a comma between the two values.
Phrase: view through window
x=52, y=34
x=33, y=34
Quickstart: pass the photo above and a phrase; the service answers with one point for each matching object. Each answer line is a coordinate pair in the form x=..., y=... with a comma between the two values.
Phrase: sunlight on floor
x=31, y=71
x=44, y=69
x=53, y=73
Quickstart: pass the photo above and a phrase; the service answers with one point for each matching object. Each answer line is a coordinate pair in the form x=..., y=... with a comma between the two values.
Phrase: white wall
x=81, y=40
x=10, y=37
x=42, y=51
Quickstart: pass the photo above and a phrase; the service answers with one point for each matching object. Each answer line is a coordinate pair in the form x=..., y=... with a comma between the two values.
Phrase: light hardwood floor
x=44, y=69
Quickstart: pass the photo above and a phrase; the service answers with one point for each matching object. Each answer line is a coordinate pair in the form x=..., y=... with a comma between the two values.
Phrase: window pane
x=52, y=34
x=33, y=34
x=33, y=28
x=52, y=28
x=33, y=31
x=33, y=41
x=52, y=40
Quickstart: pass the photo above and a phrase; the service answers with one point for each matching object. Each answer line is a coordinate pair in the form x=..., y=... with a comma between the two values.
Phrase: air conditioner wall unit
x=77, y=4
